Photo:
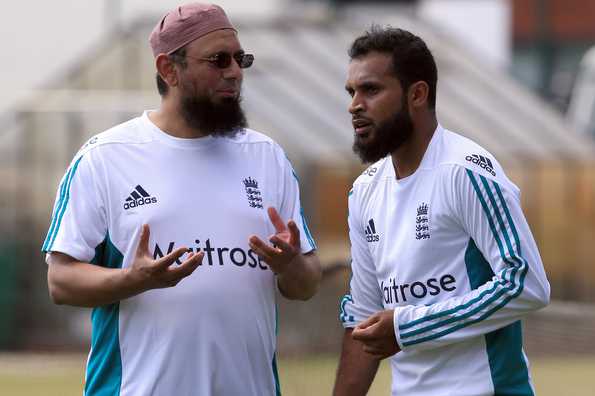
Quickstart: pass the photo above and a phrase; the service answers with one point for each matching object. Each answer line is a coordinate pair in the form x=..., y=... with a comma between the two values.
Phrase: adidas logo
x=483, y=162
x=370, y=231
x=138, y=197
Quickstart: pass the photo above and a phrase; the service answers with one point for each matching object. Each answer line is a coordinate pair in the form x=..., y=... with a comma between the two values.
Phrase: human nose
x=233, y=72
x=356, y=105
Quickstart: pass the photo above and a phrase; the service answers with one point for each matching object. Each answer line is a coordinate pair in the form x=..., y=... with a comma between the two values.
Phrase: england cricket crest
x=422, y=222
x=253, y=193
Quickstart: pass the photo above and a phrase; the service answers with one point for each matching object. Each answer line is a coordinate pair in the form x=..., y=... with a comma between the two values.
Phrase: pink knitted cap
x=185, y=24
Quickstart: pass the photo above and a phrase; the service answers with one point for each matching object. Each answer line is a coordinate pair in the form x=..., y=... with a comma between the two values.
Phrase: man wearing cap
x=178, y=226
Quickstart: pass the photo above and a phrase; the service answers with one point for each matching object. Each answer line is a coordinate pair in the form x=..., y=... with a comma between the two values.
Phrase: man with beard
x=444, y=264
x=183, y=193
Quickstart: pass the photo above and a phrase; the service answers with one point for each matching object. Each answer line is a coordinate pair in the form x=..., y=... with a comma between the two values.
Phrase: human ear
x=166, y=70
x=418, y=93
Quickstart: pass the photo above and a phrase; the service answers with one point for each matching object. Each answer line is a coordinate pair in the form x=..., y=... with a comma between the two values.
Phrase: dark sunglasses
x=222, y=60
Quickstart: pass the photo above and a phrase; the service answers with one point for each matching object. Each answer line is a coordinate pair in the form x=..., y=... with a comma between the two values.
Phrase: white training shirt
x=449, y=249
x=215, y=332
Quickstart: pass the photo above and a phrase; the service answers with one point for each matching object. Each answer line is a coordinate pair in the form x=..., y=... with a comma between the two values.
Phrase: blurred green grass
x=62, y=375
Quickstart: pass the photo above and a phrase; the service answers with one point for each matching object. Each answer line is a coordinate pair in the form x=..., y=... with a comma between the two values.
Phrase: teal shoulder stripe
x=55, y=211
x=291, y=167
x=509, y=217
x=307, y=230
x=515, y=252
x=510, y=259
x=486, y=210
x=104, y=368
x=65, y=195
x=304, y=222
x=498, y=216
x=57, y=207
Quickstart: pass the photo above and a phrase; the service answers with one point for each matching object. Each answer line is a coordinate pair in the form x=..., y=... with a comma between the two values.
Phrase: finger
x=361, y=335
x=178, y=272
x=254, y=240
x=294, y=233
x=260, y=253
x=168, y=260
x=258, y=245
x=281, y=244
x=276, y=219
x=143, y=241
x=367, y=334
x=187, y=267
x=368, y=322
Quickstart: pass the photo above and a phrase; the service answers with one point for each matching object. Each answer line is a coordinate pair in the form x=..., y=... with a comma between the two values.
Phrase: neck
x=406, y=159
x=169, y=119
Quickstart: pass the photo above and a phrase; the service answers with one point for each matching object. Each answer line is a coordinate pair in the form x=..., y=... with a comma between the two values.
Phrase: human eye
x=217, y=56
x=371, y=89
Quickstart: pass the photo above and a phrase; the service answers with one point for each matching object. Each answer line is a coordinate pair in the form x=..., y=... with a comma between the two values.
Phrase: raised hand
x=148, y=273
x=285, y=243
x=377, y=333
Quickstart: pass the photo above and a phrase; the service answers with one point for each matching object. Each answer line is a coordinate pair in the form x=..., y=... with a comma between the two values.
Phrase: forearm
x=302, y=278
x=494, y=305
x=357, y=369
x=87, y=285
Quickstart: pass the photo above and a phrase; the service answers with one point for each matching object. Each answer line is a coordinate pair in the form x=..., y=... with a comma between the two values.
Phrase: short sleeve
x=78, y=223
x=290, y=206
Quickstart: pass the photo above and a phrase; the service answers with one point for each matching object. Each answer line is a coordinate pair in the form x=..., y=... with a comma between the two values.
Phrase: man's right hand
x=82, y=284
x=147, y=273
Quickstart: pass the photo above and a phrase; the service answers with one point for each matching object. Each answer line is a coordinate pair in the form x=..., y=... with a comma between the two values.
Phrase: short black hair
x=412, y=60
x=178, y=57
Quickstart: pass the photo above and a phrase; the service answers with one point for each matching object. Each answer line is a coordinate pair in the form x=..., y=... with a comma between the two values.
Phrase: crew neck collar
x=205, y=141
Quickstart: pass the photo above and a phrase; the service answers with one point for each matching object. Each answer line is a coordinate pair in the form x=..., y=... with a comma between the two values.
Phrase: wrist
x=132, y=282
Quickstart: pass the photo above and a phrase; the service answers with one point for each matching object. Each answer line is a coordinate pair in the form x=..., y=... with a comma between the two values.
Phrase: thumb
x=143, y=242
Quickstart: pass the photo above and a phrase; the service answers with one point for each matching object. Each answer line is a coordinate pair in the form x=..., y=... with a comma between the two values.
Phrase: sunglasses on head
x=222, y=60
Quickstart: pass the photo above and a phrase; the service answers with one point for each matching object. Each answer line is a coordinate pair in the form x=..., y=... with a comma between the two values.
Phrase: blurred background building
x=509, y=71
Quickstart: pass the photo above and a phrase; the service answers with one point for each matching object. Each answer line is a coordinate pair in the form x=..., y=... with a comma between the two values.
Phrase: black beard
x=223, y=119
x=388, y=137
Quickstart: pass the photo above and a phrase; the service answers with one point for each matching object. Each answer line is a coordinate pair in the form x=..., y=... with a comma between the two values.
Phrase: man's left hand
x=377, y=333
x=286, y=244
